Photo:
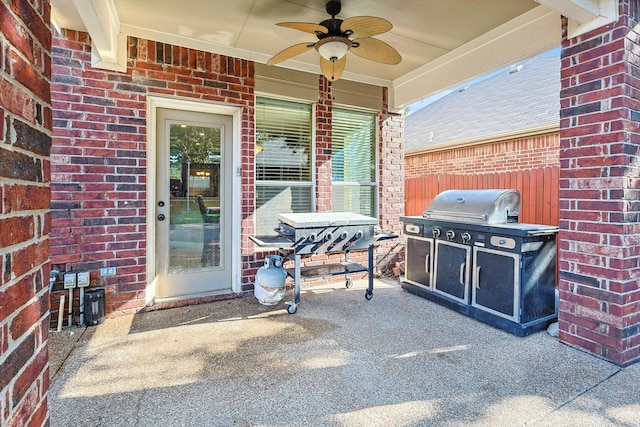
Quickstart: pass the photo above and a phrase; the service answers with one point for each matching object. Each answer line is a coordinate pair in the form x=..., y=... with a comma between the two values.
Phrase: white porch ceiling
x=442, y=42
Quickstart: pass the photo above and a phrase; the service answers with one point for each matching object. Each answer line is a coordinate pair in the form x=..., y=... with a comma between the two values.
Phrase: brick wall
x=391, y=174
x=25, y=142
x=98, y=175
x=99, y=154
x=323, y=145
x=499, y=156
x=599, y=190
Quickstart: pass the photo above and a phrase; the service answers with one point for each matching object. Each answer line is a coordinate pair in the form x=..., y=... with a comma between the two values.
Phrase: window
x=283, y=161
x=354, y=162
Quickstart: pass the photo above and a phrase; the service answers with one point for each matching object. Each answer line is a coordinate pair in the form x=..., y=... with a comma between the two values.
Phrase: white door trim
x=153, y=103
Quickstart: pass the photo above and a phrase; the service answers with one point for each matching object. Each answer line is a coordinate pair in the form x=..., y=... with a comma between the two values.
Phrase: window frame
x=376, y=153
x=275, y=183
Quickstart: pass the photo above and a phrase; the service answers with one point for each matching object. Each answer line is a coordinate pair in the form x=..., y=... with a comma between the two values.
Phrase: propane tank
x=269, y=287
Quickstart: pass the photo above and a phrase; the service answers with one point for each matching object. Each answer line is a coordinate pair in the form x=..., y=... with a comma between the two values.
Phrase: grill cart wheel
x=292, y=308
x=348, y=283
x=368, y=294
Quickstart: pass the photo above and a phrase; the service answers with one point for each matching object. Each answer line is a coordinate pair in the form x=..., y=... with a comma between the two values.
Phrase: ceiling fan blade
x=365, y=26
x=305, y=26
x=376, y=50
x=333, y=70
x=290, y=52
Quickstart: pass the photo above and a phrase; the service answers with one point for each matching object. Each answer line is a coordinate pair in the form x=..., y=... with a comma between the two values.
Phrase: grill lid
x=475, y=206
x=325, y=219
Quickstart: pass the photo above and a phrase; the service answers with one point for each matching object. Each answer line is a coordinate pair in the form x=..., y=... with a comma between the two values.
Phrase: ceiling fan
x=336, y=37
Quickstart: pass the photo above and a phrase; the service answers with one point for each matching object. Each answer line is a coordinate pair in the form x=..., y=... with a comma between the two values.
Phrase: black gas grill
x=302, y=234
x=469, y=252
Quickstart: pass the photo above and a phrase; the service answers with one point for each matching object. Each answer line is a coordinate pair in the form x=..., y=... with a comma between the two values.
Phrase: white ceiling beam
x=532, y=33
x=108, y=45
x=584, y=15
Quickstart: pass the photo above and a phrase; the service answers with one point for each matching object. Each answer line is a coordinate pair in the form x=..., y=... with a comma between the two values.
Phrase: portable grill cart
x=469, y=252
x=302, y=234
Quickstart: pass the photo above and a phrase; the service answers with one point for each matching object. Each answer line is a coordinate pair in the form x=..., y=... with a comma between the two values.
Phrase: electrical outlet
x=83, y=279
x=70, y=280
x=107, y=271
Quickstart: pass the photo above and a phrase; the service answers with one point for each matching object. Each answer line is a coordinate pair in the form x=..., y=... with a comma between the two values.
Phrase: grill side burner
x=494, y=269
x=309, y=233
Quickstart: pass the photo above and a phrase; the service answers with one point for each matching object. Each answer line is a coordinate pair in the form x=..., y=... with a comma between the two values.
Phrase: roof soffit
x=584, y=15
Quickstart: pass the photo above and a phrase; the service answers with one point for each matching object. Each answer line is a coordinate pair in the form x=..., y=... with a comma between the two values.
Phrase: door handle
x=426, y=263
x=462, y=273
x=161, y=217
x=478, y=277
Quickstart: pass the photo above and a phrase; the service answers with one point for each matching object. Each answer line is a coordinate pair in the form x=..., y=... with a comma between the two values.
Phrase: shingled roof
x=519, y=99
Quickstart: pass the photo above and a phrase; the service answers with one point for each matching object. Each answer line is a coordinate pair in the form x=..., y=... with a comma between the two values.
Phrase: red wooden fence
x=539, y=191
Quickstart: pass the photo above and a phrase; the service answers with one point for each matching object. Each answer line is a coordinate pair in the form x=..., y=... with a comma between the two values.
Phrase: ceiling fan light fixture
x=333, y=48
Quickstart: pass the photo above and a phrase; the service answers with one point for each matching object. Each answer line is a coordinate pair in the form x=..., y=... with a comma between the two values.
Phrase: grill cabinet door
x=496, y=282
x=451, y=274
x=419, y=260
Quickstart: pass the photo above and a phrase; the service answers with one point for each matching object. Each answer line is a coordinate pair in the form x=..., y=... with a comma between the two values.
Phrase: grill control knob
x=466, y=237
x=344, y=234
x=328, y=237
x=313, y=237
x=450, y=234
x=435, y=232
x=359, y=234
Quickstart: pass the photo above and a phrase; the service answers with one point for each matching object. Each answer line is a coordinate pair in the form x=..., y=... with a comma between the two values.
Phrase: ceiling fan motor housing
x=333, y=25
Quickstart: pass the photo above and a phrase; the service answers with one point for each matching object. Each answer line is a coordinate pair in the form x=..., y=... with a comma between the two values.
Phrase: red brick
x=15, y=32
x=15, y=295
x=28, y=316
x=25, y=409
x=26, y=258
x=16, y=359
x=16, y=101
x=4, y=337
x=28, y=378
x=37, y=23
x=24, y=72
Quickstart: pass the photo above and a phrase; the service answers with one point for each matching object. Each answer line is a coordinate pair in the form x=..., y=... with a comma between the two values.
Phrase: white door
x=193, y=204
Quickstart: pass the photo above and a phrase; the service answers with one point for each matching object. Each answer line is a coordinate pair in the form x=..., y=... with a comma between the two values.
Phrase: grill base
x=518, y=329
x=295, y=249
x=503, y=275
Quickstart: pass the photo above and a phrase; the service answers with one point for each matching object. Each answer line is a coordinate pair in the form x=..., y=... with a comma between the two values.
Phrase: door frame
x=182, y=104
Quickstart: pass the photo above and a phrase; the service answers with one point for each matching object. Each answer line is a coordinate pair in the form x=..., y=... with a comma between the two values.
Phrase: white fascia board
x=531, y=33
x=584, y=15
x=108, y=45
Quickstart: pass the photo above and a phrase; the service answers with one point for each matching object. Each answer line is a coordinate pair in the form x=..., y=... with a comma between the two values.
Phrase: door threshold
x=183, y=301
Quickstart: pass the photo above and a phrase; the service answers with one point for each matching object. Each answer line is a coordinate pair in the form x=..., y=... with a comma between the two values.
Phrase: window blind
x=353, y=162
x=283, y=161
x=283, y=140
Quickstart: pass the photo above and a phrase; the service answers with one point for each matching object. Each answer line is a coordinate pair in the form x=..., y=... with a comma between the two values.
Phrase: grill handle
x=429, y=213
x=462, y=266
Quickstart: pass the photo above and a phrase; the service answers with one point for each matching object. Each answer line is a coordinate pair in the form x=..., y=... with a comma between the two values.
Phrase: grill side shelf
x=272, y=242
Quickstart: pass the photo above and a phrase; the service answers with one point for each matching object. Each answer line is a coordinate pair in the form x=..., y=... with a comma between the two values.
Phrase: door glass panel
x=195, y=183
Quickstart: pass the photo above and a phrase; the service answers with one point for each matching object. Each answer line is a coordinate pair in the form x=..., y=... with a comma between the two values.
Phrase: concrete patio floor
x=397, y=360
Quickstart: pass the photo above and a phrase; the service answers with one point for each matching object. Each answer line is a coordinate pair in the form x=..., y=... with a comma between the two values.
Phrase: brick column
x=391, y=178
x=323, y=145
x=599, y=191
x=25, y=144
